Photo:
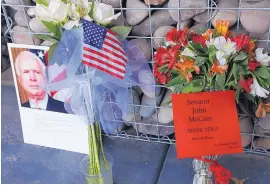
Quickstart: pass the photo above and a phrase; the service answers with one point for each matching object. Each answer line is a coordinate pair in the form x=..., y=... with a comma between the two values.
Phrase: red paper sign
x=206, y=124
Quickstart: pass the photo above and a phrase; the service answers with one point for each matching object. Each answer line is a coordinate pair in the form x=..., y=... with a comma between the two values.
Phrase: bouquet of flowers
x=213, y=60
x=80, y=38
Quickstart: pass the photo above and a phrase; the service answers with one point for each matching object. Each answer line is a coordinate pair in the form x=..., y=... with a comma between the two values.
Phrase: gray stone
x=21, y=36
x=161, y=32
x=184, y=24
x=113, y=3
x=150, y=126
x=265, y=122
x=46, y=43
x=152, y=102
x=154, y=2
x=120, y=21
x=37, y=26
x=186, y=14
x=31, y=12
x=241, y=29
x=165, y=114
x=112, y=118
x=262, y=142
x=260, y=131
x=255, y=21
x=230, y=15
x=131, y=109
x=21, y=18
x=133, y=118
x=17, y=2
x=145, y=47
x=146, y=77
x=246, y=127
x=138, y=90
x=260, y=44
x=134, y=17
x=4, y=50
x=199, y=28
x=204, y=17
x=159, y=18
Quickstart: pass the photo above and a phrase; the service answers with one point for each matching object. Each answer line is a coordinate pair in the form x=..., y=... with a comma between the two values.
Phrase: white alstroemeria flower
x=257, y=90
x=226, y=46
x=189, y=52
x=80, y=9
x=209, y=43
x=220, y=55
x=104, y=13
x=56, y=12
x=261, y=57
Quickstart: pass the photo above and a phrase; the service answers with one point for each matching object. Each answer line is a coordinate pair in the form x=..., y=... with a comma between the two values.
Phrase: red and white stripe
x=111, y=58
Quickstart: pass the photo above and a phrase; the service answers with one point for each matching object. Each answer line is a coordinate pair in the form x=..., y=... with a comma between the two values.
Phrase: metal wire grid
x=133, y=133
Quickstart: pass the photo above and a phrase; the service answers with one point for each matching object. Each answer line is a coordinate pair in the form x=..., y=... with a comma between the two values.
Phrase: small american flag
x=102, y=50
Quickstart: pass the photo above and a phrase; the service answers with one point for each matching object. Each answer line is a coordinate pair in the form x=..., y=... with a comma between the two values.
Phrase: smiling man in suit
x=31, y=75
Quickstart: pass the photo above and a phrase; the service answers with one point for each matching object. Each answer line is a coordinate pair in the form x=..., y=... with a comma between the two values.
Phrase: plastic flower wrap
x=91, y=67
x=213, y=60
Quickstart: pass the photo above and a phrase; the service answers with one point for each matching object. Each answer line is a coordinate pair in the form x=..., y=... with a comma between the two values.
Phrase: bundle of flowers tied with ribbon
x=214, y=60
x=90, y=65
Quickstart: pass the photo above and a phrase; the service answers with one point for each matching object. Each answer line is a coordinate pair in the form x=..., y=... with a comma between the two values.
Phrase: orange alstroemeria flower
x=222, y=27
x=207, y=34
x=218, y=69
x=185, y=68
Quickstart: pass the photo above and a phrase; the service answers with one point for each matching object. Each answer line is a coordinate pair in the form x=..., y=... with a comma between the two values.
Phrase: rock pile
x=148, y=107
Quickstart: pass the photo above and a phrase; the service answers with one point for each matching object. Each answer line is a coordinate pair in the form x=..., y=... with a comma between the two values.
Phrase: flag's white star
x=40, y=54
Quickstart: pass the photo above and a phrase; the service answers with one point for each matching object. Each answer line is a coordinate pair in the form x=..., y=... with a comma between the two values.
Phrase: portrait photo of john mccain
x=30, y=71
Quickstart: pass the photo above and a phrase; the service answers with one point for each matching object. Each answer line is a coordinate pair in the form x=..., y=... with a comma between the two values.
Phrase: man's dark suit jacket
x=52, y=105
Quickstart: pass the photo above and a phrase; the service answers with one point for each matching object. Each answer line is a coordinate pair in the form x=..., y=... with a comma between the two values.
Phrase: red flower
x=177, y=36
x=241, y=41
x=253, y=65
x=164, y=56
x=198, y=39
x=245, y=84
x=162, y=78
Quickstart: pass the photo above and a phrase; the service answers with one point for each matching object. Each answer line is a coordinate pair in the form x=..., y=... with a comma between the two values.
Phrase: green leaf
x=175, y=81
x=212, y=55
x=262, y=72
x=53, y=28
x=46, y=37
x=199, y=61
x=164, y=68
x=194, y=86
x=51, y=50
x=249, y=97
x=220, y=79
x=167, y=102
x=198, y=47
x=240, y=57
x=235, y=70
x=178, y=88
x=237, y=93
x=44, y=2
x=244, y=63
x=121, y=31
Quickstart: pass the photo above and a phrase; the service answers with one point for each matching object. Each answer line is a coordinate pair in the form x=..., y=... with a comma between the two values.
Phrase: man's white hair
x=26, y=55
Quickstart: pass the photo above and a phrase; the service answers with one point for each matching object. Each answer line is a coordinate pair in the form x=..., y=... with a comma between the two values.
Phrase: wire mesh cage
x=149, y=118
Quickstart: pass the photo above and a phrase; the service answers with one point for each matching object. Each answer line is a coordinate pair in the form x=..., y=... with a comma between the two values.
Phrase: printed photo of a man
x=31, y=75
